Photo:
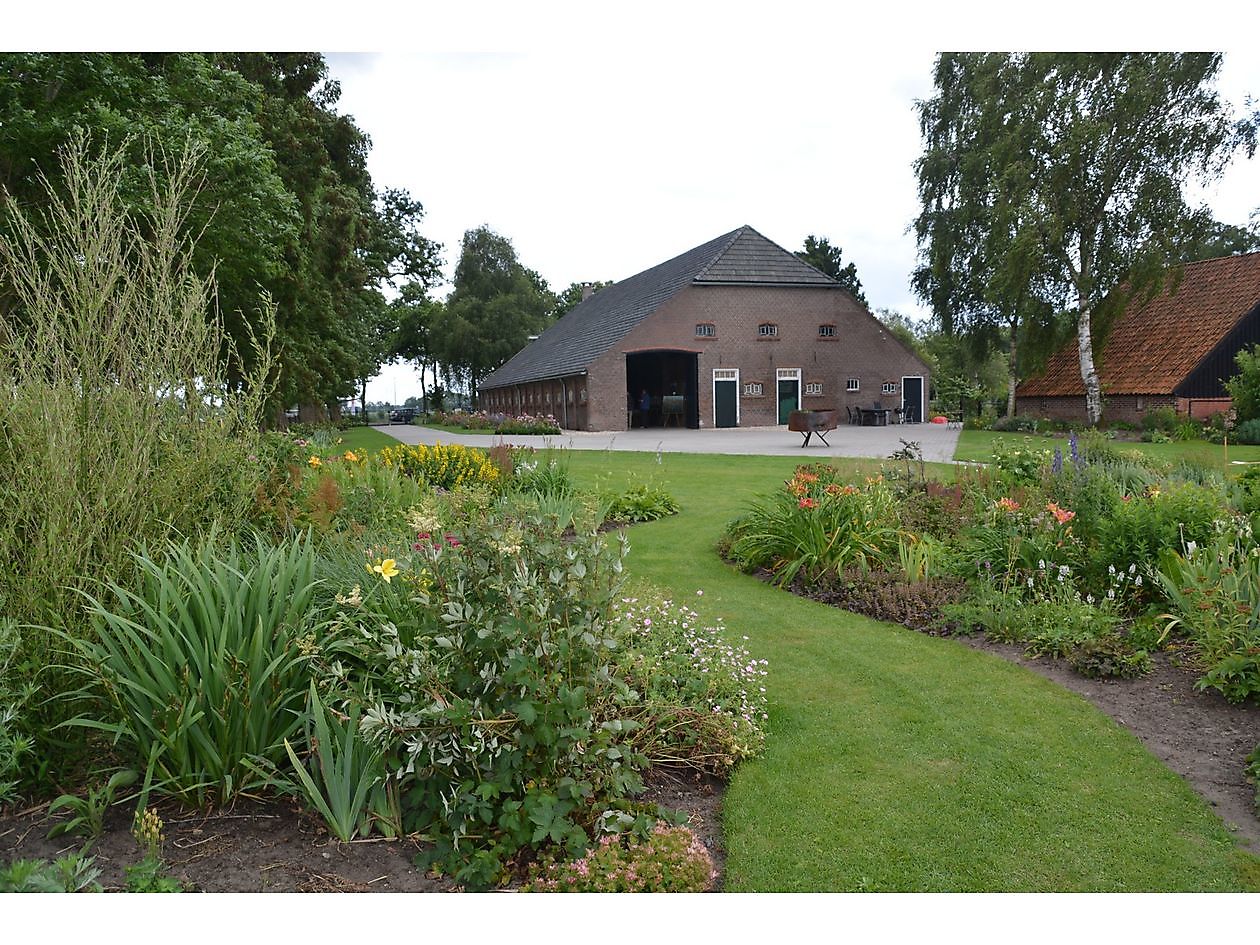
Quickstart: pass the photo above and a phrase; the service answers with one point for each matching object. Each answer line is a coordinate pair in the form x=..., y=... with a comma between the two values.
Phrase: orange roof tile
x=1152, y=347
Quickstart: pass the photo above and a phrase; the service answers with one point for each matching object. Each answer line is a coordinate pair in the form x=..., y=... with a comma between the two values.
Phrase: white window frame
x=760, y=392
x=827, y=331
x=814, y=389
x=852, y=386
x=706, y=330
x=768, y=330
x=889, y=387
x=727, y=375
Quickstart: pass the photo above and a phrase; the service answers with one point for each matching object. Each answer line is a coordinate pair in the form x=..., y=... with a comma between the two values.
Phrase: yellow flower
x=315, y=462
x=350, y=457
x=386, y=569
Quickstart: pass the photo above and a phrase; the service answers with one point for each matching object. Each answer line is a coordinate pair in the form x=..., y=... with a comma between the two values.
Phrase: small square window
x=852, y=385
x=813, y=389
x=767, y=330
x=889, y=388
x=753, y=389
x=705, y=330
x=826, y=331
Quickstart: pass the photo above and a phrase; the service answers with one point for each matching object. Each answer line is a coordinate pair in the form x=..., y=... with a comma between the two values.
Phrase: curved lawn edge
x=898, y=761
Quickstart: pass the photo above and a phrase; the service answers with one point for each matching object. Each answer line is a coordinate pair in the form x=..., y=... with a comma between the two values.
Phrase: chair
x=854, y=418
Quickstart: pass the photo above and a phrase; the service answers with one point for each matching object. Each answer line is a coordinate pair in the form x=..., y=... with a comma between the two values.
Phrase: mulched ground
x=276, y=847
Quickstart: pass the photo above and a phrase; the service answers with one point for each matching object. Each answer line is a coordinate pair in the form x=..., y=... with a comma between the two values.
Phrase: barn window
x=754, y=389
x=768, y=330
x=889, y=387
x=826, y=331
x=852, y=385
x=705, y=330
x=813, y=389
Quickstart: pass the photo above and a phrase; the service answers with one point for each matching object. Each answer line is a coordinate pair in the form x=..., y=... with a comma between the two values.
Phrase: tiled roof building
x=734, y=332
x=1175, y=350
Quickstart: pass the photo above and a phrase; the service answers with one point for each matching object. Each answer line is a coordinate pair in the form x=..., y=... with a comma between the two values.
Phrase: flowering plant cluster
x=443, y=466
x=703, y=696
x=520, y=424
x=671, y=859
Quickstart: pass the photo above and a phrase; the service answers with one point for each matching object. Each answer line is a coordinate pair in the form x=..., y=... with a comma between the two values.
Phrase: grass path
x=901, y=762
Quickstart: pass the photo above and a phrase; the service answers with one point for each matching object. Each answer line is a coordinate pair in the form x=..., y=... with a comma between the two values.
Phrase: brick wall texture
x=860, y=349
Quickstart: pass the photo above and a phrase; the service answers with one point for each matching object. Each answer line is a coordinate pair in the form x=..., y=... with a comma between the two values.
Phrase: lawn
x=897, y=761
x=364, y=438
x=976, y=446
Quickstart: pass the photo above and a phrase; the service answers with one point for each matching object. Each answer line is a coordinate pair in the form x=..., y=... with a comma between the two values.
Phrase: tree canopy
x=495, y=305
x=829, y=260
x=286, y=207
x=1050, y=180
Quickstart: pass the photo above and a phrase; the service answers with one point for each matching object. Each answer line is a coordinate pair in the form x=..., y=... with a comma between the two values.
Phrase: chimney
x=588, y=289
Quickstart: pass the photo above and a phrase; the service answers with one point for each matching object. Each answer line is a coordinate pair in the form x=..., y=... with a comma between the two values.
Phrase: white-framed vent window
x=813, y=389
x=852, y=385
x=754, y=389
x=767, y=330
x=826, y=331
x=890, y=387
x=705, y=330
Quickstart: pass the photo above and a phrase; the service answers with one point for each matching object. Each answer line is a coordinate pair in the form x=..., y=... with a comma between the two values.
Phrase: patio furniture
x=811, y=422
x=876, y=416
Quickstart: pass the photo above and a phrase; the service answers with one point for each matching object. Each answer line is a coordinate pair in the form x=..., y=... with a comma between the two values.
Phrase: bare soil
x=274, y=846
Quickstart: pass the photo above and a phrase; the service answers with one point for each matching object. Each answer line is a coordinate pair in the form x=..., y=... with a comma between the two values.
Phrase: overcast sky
x=605, y=161
x=604, y=139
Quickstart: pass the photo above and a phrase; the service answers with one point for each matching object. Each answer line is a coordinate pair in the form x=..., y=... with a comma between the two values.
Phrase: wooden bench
x=810, y=422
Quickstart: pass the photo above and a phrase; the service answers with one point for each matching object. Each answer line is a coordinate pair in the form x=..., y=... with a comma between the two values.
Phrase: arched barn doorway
x=671, y=380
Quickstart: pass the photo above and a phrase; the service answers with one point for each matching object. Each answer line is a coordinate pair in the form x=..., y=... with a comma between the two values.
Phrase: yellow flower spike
x=350, y=457
x=386, y=569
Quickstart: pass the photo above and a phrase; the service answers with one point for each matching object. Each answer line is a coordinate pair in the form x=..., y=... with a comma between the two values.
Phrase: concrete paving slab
x=936, y=441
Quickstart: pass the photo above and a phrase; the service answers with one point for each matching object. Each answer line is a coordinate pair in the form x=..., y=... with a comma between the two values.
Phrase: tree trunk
x=1012, y=378
x=363, y=398
x=1089, y=374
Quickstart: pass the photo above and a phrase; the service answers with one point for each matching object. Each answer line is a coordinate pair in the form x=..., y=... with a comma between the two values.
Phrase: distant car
x=402, y=415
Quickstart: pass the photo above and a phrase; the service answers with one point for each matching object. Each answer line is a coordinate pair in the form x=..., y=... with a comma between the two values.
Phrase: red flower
x=807, y=503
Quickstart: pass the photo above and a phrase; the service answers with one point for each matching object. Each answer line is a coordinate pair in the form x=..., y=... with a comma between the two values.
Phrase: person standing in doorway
x=645, y=404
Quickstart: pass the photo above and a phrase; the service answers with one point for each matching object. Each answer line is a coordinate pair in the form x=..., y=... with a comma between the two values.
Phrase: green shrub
x=1244, y=386
x=817, y=525
x=1164, y=419
x=494, y=703
x=549, y=479
x=118, y=423
x=641, y=503
x=72, y=873
x=1248, y=431
x=703, y=699
x=1021, y=464
x=201, y=672
x=671, y=859
x=1159, y=518
x=1109, y=657
x=1015, y=424
x=15, y=695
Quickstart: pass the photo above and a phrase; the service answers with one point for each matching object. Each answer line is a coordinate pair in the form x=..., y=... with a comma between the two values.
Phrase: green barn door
x=726, y=398
x=789, y=382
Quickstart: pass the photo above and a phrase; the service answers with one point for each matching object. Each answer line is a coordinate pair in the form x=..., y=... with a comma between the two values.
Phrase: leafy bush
x=1021, y=464
x=494, y=702
x=1109, y=657
x=703, y=701
x=443, y=466
x=201, y=672
x=72, y=873
x=816, y=525
x=1160, y=518
x=671, y=859
x=1248, y=431
x=549, y=479
x=641, y=503
x=1244, y=388
x=1164, y=419
x=1214, y=595
x=1015, y=424
x=521, y=425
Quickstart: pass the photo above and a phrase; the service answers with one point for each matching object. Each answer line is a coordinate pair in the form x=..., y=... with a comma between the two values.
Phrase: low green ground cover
x=897, y=761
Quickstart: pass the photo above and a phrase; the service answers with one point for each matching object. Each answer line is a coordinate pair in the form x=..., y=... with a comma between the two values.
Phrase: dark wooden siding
x=1209, y=375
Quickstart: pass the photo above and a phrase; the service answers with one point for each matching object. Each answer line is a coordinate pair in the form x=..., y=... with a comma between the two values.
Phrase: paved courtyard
x=877, y=442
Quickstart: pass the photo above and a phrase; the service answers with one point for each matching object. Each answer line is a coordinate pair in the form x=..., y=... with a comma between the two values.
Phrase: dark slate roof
x=1154, y=345
x=741, y=257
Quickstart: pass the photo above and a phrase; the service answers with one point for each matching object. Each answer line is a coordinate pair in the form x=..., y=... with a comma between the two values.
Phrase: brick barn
x=1176, y=350
x=736, y=332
